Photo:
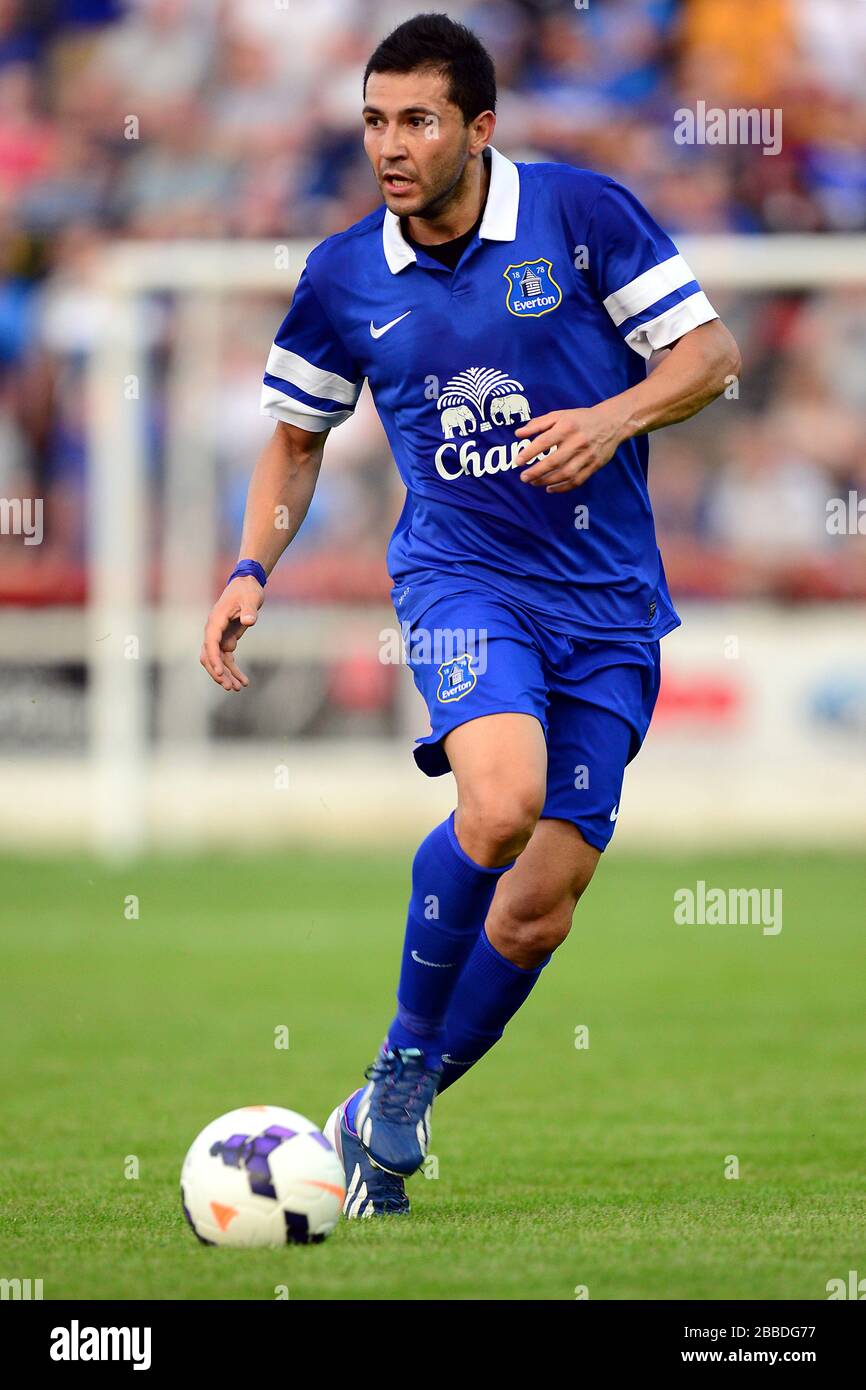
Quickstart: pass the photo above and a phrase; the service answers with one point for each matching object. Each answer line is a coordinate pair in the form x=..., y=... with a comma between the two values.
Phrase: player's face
x=416, y=141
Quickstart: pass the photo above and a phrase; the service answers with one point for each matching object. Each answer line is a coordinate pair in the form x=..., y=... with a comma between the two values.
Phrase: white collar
x=499, y=222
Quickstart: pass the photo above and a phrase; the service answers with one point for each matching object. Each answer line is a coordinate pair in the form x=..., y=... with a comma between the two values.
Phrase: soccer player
x=503, y=315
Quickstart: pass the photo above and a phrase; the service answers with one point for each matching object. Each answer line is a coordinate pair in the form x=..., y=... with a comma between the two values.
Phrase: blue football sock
x=451, y=895
x=490, y=991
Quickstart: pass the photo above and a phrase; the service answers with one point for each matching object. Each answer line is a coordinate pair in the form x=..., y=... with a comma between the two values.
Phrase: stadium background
x=204, y=140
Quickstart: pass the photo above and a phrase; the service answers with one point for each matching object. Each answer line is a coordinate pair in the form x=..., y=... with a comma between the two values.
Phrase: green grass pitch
x=601, y=1167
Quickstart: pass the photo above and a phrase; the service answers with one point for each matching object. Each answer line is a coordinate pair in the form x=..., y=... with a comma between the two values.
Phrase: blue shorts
x=472, y=656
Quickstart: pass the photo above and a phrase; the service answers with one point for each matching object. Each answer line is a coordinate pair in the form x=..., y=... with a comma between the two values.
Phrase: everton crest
x=532, y=290
x=456, y=679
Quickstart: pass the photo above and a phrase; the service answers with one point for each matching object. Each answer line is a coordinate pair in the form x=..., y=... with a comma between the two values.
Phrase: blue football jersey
x=557, y=302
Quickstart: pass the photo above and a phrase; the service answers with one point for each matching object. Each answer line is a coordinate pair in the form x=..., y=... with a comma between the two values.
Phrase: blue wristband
x=251, y=568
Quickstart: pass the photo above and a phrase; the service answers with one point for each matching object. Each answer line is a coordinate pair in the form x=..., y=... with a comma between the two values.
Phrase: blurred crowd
x=171, y=119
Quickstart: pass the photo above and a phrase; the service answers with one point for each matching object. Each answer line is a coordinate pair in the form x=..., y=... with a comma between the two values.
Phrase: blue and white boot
x=369, y=1190
x=393, y=1114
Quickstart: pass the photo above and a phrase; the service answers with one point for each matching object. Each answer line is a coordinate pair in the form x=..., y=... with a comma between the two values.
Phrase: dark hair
x=438, y=43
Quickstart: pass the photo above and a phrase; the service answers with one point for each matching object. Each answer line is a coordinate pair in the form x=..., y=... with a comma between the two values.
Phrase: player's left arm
x=696, y=370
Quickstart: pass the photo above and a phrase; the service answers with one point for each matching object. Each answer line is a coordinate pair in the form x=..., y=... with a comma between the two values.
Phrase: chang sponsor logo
x=473, y=403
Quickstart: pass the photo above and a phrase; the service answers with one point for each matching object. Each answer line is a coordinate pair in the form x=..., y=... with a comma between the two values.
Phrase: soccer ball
x=261, y=1175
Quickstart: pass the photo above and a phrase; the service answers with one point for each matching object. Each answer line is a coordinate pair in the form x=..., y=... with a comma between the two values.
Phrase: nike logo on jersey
x=437, y=964
x=380, y=332
x=615, y=812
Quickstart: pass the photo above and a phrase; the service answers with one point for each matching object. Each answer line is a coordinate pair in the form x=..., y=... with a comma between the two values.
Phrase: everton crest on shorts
x=456, y=679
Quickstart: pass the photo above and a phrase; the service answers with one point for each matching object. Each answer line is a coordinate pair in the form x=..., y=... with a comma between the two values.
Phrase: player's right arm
x=311, y=385
x=279, y=495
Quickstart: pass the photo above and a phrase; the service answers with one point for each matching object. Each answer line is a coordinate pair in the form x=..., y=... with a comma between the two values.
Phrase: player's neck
x=462, y=212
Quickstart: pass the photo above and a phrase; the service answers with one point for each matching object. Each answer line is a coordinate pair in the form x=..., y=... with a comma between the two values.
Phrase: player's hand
x=234, y=611
x=582, y=442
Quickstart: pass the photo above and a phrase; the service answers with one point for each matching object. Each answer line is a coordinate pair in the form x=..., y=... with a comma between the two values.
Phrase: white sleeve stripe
x=648, y=289
x=657, y=333
x=282, y=407
x=307, y=377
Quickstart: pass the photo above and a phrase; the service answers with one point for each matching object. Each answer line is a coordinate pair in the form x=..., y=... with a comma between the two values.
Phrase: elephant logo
x=532, y=290
x=458, y=419
x=504, y=410
x=479, y=399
